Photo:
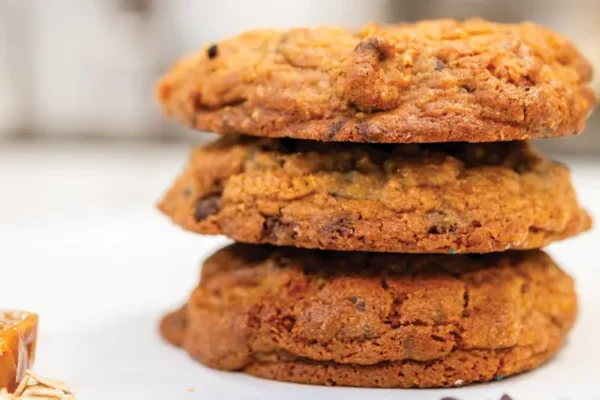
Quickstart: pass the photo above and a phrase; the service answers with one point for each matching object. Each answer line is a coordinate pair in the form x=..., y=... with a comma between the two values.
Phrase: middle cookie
x=428, y=198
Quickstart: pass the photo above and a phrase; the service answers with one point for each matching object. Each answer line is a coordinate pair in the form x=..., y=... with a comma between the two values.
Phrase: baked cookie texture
x=432, y=81
x=372, y=319
x=416, y=198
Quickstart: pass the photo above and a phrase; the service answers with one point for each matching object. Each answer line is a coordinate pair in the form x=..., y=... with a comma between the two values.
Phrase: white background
x=82, y=245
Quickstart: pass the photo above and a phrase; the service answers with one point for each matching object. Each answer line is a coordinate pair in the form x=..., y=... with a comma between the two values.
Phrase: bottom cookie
x=375, y=320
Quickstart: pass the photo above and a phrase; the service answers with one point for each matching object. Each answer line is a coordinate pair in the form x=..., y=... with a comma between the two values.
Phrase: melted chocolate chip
x=207, y=206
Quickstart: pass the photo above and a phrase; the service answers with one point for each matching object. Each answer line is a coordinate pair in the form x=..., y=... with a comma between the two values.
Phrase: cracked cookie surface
x=416, y=198
x=433, y=81
x=372, y=319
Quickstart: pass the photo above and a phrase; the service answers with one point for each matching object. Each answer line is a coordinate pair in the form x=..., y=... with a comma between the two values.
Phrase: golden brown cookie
x=417, y=198
x=433, y=81
x=372, y=319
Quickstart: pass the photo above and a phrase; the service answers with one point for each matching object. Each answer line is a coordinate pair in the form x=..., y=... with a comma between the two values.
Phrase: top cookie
x=433, y=81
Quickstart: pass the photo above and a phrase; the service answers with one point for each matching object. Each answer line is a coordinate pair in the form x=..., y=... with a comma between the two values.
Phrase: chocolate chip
x=440, y=223
x=288, y=322
x=212, y=51
x=363, y=131
x=339, y=227
x=439, y=64
x=278, y=231
x=253, y=322
x=369, y=334
x=371, y=45
x=207, y=206
x=358, y=302
x=368, y=131
x=525, y=288
x=271, y=223
x=338, y=194
x=335, y=127
x=505, y=397
x=441, y=229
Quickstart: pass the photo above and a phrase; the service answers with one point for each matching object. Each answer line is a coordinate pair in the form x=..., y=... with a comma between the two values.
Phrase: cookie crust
x=442, y=198
x=432, y=81
x=376, y=320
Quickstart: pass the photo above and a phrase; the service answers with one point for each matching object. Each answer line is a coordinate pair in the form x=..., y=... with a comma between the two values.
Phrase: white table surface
x=82, y=245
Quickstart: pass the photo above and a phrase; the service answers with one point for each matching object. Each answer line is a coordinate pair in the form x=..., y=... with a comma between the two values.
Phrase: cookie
x=373, y=319
x=433, y=81
x=416, y=198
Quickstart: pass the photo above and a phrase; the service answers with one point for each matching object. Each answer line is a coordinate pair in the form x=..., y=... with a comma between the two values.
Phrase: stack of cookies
x=388, y=208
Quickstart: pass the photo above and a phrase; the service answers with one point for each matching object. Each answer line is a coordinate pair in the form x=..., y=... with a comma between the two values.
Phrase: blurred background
x=86, y=69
